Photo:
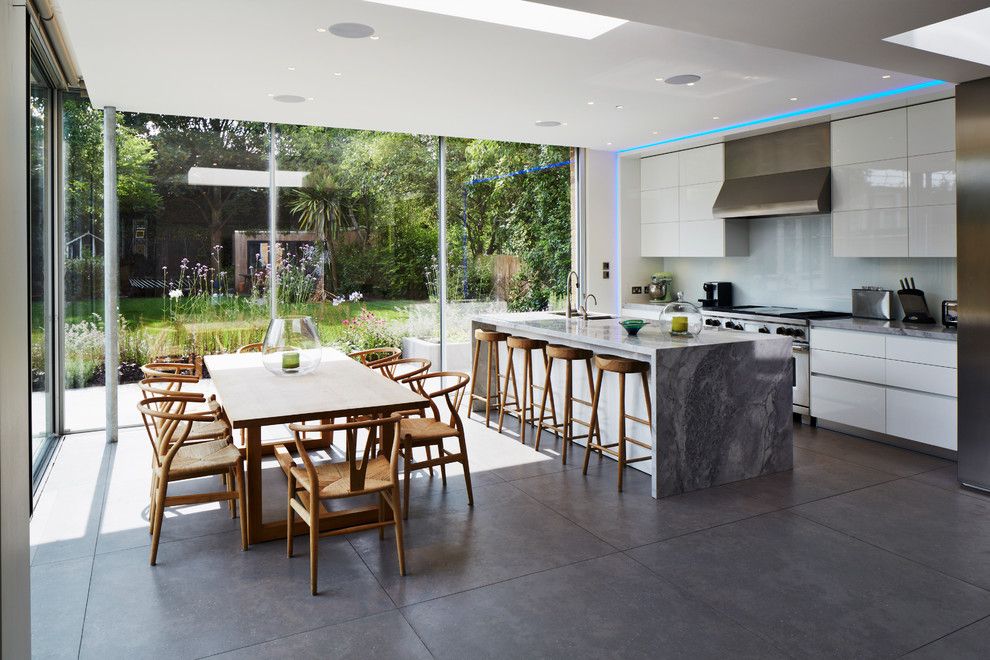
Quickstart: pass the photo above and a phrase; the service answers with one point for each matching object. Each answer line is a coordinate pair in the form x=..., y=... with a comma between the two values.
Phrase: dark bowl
x=632, y=326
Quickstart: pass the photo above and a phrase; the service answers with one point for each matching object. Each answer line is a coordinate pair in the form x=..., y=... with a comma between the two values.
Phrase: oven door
x=802, y=379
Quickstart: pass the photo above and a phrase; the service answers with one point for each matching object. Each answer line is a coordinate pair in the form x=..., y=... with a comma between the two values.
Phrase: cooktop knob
x=798, y=333
x=765, y=330
x=781, y=331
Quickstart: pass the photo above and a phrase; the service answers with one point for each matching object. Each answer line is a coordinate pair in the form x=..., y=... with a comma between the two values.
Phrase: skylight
x=517, y=13
x=963, y=37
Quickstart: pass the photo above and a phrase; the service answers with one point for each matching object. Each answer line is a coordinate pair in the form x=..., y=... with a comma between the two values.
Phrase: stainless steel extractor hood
x=804, y=192
x=778, y=173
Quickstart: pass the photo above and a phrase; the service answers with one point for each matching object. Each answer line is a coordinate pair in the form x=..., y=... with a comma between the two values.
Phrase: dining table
x=253, y=398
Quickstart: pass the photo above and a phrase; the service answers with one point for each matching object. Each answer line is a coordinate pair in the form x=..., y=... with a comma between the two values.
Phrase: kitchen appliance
x=950, y=313
x=872, y=302
x=790, y=322
x=717, y=294
x=659, y=287
x=913, y=303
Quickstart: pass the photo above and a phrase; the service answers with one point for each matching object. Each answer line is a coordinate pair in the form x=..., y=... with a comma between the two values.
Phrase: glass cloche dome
x=680, y=318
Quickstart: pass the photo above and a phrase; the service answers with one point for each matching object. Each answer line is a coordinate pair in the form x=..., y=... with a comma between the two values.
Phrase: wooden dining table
x=254, y=398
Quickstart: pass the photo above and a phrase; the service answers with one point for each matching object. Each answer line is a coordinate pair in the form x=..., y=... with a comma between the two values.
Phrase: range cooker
x=790, y=322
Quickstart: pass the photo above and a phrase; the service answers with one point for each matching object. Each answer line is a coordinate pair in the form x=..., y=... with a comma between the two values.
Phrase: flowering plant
x=367, y=331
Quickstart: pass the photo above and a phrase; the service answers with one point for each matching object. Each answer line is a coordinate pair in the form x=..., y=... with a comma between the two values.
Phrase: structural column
x=111, y=269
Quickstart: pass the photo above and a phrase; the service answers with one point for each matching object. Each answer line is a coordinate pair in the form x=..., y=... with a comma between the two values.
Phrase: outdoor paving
x=863, y=550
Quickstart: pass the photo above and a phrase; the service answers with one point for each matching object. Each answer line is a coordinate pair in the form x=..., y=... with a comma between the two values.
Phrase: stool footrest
x=639, y=443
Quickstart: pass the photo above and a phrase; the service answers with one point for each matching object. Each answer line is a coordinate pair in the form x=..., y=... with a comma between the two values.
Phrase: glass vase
x=292, y=346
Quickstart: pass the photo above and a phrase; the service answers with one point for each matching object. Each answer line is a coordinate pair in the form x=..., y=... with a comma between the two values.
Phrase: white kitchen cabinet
x=702, y=165
x=659, y=205
x=901, y=386
x=870, y=233
x=696, y=201
x=932, y=127
x=849, y=402
x=878, y=136
x=932, y=179
x=660, y=239
x=932, y=231
x=925, y=418
x=878, y=184
x=659, y=172
x=702, y=238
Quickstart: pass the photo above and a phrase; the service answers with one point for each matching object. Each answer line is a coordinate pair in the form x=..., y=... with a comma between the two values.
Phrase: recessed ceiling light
x=518, y=13
x=715, y=117
x=656, y=132
x=659, y=79
x=309, y=98
x=289, y=98
x=683, y=79
x=270, y=95
x=618, y=107
x=547, y=123
x=793, y=98
x=337, y=73
x=608, y=144
x=690, y=84
x=292, y=68
x=374, y=37
x=591, y=102
x=321, y=29
x=351, y=30
x=885, y=76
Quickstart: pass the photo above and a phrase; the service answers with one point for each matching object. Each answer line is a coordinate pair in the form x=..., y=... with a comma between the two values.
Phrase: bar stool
x=565, y=430
x=493, y=339
x=620, y=366
x=526, y=409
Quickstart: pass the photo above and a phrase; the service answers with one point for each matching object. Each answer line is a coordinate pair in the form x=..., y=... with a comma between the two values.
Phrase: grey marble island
x=721, y=400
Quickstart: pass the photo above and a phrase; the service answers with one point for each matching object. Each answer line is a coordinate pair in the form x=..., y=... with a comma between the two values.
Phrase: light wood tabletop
x=253, y=397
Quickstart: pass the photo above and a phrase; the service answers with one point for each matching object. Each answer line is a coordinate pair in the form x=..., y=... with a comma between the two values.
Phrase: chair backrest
x=383, y=431
x=162, y=368
x=449, y=386
x=172, y=425
x=164, y=393
x=370, y=357
x=402, y=369
x=251, y=348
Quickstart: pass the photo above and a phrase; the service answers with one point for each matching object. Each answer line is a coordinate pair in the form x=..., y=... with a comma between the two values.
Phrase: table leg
x=254, y=484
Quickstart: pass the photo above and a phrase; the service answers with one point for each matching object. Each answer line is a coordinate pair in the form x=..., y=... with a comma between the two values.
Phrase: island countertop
x=608, y=333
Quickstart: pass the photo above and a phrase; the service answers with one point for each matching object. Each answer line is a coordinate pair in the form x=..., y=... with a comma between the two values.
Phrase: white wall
x=15, y=587
x=601, y=207
x=635, y=270
x=790, y=263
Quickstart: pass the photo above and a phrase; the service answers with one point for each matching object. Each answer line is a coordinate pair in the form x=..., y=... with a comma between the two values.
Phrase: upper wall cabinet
x=677, y=192
x=880, y=136
x=894, y=183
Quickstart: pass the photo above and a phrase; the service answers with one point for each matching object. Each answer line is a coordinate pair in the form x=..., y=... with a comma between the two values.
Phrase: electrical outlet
x=637, y=289
x=605, y=265
x=604, y=274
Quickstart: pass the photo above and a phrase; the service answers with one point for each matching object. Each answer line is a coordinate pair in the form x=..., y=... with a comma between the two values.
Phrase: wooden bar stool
x=565, y=430
x=526, y=409
x=492, y=339
x=620, y=366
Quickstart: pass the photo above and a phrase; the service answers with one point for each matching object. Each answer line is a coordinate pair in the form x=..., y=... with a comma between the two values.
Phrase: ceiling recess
x=547, y=123
x=289, y=98
x=351, y=30
x=683, y=79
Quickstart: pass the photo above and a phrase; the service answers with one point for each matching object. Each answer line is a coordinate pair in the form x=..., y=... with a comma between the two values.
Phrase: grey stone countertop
x=924, y=331
x=608, y=332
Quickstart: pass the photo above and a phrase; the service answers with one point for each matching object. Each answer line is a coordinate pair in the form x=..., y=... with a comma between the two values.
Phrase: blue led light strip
x=538, y=168
x=793, y=113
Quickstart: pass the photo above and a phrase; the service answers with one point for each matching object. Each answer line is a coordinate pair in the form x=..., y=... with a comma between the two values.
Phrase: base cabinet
x=927, y=418
x=848, y=402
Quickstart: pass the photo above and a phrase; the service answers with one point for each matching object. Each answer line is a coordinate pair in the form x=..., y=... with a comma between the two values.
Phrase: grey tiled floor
x=863, y=550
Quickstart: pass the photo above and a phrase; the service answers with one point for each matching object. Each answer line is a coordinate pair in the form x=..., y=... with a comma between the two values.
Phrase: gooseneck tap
x=583, y=309
x=570, y=301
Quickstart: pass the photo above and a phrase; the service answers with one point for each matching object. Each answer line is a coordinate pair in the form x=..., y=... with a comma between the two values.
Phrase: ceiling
x=434, y=74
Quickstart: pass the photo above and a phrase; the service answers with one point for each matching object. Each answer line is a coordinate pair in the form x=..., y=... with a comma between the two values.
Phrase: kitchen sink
x=593, y=316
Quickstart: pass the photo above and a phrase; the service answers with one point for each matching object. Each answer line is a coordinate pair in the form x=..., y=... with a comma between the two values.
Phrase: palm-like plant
x=327, y=209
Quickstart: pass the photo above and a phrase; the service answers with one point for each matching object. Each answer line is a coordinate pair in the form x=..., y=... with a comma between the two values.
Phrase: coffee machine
x=717, y=294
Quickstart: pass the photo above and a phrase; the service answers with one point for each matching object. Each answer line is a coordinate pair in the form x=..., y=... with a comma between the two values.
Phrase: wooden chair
x=492, y=372
x=162, y=368
x=620, y=366
x=251, y=348
x=174, y=460
x=363, y=472
x=401, y=370
x=430, y=431
x=373, y=357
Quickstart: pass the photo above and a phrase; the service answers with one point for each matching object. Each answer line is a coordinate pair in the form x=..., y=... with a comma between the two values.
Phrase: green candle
x=290, y=360
x=679, y=324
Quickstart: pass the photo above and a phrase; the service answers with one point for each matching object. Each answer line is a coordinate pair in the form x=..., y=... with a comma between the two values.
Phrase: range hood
x=801, y=192
x=777, y=173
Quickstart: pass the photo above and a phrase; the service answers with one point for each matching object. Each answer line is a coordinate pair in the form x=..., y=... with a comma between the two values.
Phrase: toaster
x=950, y=313
x=872, y=303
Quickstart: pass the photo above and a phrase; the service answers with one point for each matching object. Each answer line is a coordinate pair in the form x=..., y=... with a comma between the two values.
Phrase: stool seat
x=621, y=365
x=559, y=352
x=525, y=343
x=490, y=335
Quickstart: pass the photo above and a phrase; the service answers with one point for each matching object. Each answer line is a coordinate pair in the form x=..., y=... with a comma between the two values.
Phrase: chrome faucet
x=583, y=309
x=570, y=301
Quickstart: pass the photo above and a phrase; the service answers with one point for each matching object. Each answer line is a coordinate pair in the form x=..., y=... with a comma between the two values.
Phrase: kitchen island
x=721, y=400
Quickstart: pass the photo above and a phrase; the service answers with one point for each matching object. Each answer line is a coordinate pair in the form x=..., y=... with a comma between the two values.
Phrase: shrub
x=366, y=331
